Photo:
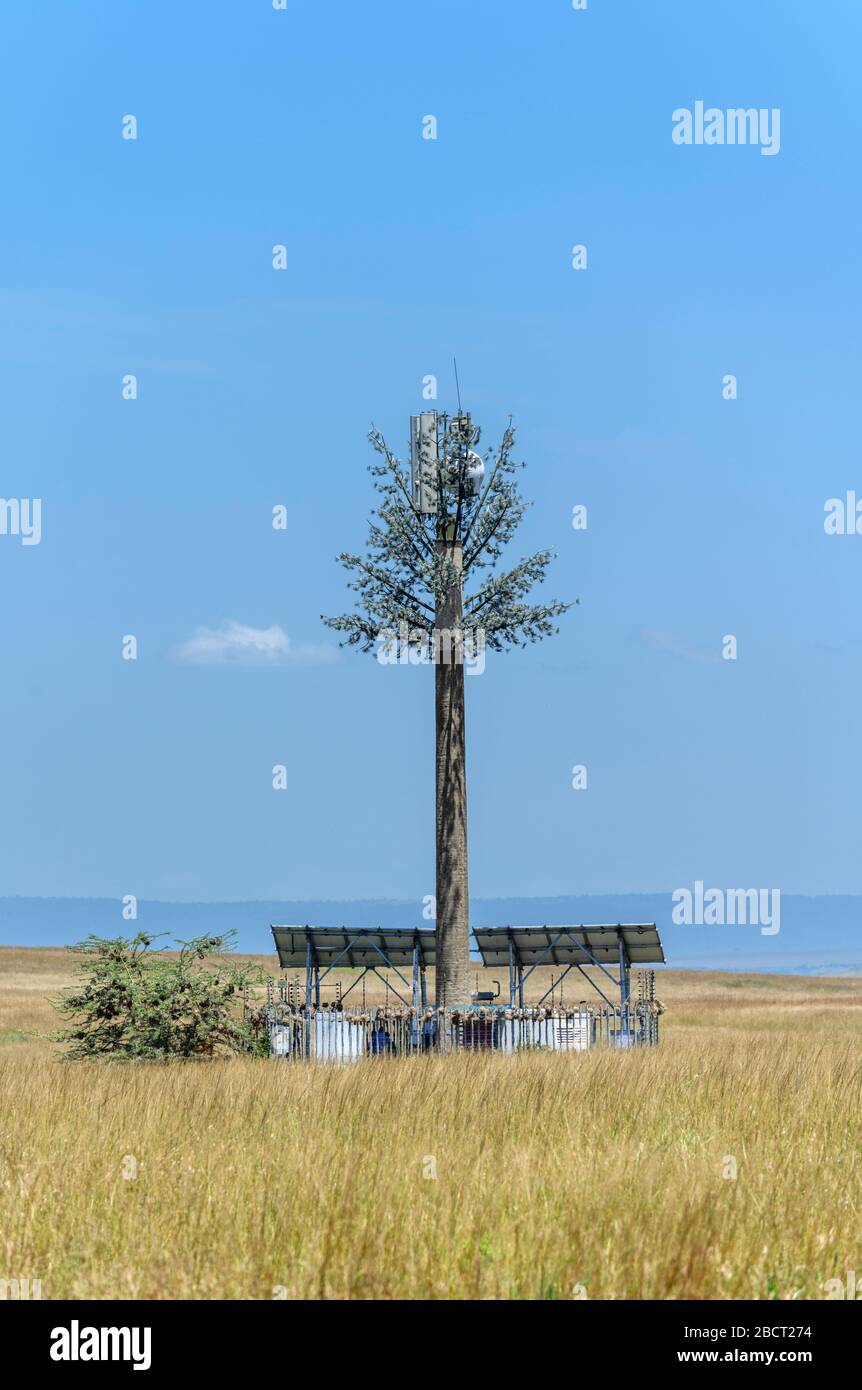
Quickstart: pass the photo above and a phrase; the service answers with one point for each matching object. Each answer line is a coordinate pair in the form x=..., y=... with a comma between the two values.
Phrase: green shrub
x=134, y=1001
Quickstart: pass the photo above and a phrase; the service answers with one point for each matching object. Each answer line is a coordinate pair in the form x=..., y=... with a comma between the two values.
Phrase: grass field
x=538, y=1176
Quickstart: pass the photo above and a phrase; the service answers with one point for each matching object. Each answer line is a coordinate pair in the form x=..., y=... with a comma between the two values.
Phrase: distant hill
x=818, y=935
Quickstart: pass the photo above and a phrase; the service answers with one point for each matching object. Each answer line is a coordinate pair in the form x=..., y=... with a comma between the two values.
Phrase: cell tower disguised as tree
x=447, y=521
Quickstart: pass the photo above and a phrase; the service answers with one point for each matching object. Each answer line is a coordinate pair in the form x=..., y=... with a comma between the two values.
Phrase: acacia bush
x=135, y=1001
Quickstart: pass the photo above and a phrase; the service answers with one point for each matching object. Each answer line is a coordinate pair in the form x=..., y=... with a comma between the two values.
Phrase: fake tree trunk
x=453, y=926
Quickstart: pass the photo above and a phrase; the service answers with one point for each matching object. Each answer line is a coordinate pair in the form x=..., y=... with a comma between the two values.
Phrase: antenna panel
x=423, y=461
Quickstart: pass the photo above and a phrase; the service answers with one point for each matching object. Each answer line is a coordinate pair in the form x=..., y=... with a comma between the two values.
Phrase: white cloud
x=235, y=644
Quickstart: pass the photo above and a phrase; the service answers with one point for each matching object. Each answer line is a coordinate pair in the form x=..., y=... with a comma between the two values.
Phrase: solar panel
x=550, y=945
x=356, y=946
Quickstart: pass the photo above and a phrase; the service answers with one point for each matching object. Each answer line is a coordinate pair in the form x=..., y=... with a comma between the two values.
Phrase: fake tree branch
x=407, y=572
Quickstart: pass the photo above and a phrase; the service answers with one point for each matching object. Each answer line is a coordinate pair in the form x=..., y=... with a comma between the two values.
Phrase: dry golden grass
x=602, y=1170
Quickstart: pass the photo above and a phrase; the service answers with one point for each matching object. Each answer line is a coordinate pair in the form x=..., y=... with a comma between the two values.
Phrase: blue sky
x=257, y=387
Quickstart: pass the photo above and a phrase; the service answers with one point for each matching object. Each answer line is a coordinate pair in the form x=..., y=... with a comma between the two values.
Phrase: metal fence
x=333, y=1034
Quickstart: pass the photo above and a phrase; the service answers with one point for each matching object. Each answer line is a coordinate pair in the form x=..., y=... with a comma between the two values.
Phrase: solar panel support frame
x=360, y=938
x=520, y=972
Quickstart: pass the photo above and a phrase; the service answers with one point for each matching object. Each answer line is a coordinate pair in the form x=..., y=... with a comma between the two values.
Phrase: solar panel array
x=549, y=945
x=553, y=945
x=360, y=946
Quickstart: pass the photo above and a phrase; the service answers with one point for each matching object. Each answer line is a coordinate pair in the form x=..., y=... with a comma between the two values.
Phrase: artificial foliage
x=406, y=571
